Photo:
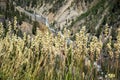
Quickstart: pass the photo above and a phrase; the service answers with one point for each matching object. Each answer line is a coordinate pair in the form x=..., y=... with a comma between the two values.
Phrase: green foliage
x=35, y=25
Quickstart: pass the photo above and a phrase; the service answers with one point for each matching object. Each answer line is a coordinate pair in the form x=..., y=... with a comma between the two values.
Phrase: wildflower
x=110, y=75
x=98, y=67
x=100, y=78
x=87, y=62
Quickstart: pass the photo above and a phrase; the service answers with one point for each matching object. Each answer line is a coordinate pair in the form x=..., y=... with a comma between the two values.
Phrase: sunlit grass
x=49, y=57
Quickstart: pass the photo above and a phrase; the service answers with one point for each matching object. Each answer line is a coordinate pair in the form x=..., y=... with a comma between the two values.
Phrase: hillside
x=73, y=14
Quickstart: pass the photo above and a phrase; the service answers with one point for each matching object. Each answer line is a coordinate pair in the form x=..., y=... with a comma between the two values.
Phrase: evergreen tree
x=35, y=25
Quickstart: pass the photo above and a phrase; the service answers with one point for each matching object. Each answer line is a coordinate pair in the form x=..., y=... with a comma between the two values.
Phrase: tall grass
x=49, y=57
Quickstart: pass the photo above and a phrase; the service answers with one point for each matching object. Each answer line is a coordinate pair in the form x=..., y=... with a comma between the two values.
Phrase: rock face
x=3, y=4
x=26, y=28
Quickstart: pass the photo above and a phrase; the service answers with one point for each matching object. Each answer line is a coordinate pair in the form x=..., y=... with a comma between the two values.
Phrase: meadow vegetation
x=49, y=57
